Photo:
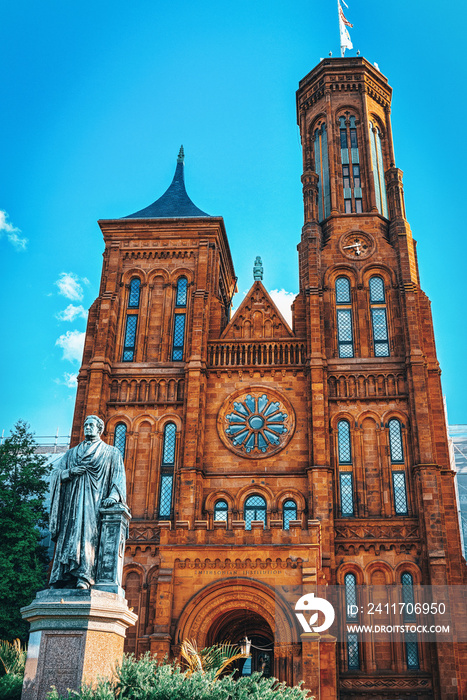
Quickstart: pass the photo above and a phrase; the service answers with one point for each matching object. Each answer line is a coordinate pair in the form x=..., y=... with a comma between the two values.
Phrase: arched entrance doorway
x=233, y=626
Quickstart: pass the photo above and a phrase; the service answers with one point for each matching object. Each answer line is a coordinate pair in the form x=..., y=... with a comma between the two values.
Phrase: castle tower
x=262, y=457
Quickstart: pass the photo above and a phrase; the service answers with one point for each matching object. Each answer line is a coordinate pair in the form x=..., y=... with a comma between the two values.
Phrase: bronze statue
x=89, y=477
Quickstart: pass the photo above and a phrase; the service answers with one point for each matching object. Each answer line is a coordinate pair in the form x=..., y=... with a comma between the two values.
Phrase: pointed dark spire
x=175, y=202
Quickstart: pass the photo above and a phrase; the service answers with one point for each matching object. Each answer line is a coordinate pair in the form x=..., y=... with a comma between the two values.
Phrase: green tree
x=23, y=560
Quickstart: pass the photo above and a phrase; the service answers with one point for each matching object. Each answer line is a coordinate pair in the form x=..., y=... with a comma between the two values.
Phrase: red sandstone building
x=261, y=455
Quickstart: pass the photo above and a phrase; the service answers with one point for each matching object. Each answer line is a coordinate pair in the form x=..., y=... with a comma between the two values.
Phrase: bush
x=11, y=686
x=145, y=679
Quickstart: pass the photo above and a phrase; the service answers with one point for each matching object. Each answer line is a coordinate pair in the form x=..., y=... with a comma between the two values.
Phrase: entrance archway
x=233, y=626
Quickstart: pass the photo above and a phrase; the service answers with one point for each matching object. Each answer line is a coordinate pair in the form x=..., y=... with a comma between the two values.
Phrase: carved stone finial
x=181, y=155
x=258, y=269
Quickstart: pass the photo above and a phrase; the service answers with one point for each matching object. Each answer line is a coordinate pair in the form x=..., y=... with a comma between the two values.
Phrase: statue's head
x=93, y=427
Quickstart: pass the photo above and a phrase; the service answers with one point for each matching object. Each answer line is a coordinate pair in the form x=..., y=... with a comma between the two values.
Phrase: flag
x=346, y=42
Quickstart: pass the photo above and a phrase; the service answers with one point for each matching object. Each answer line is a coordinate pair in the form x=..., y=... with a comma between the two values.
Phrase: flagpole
x=340, y=34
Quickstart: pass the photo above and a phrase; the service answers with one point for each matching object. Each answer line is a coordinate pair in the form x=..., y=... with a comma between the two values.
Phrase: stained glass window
x=120, y=438
x=130, y=338
x=255, y=509
x=133, y=296
x=289, y=512
x=221, y=510
x=256, y=424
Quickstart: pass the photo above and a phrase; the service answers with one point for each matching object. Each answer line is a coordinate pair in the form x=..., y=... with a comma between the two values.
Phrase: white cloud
x=71, y=312
x=12, y=233
x=283, y=301
x=72, y=344
x=69, y=286
x=69, y=379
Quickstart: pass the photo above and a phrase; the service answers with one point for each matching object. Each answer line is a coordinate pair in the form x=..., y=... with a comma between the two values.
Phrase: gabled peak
x=257, y=318
x=175, y=202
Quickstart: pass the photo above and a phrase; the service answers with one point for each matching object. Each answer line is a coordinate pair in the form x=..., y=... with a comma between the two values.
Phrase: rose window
x=256, y=424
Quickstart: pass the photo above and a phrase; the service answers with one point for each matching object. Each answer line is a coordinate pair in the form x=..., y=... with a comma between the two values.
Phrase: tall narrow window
x=351, y=606
x=221, y=510
x=409, y=615
x=353, y=654
x=398, y=476
x=129, y=343
x=378, y=169
x=345, y=477
x=133, y=295
x=322, y=169
x=178, y=340
x=379, y=321
x=120, y=438
x=255, y=509
x=289, y=513
x=344, y=318
x=350, y=160
x=167, y=471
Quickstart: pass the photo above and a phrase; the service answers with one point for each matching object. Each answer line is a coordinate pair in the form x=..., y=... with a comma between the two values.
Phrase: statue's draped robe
x=75, y=503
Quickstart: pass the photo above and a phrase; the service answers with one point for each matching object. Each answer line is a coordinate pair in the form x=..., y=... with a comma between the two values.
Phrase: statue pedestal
x=76, y=637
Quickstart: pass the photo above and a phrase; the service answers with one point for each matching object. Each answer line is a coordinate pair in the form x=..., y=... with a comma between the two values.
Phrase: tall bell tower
x=377, y=411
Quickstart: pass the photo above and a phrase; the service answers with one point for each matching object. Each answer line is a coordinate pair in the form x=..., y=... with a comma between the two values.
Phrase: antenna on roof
x=346, y=42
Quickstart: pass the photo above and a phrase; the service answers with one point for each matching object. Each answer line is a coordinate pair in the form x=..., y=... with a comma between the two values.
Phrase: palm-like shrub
x=213, y=659
x=145, y=679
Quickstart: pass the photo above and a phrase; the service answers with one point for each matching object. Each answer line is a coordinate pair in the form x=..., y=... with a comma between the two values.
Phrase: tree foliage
x=145, y=679
x=23, y=561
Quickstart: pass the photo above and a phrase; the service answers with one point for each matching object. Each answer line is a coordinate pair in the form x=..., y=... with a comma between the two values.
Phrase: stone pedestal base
x=76, y=637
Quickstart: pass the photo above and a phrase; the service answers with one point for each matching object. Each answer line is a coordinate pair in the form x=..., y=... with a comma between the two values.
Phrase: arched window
x=133, y=295
x=320, y=141
x=408, y=615
x=167, y=471
x=344, y=450
x=178, y=339
x=379, y=321
x=221, y=510
x=182, y=292
x=255, y=509
x=350, y=159
x=399, y=485
x=289, y=511
x=120, y=438
x=378, y=169
x=344, y=318
x=351, y=613
x=129, y=344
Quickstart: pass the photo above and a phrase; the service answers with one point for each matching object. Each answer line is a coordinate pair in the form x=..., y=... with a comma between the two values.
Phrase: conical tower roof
x=175, y=202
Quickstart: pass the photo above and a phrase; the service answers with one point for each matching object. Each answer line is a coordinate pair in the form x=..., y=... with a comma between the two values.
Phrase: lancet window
x=134, y=293
x=344, y=448
x=379, y=320
x=350, y=161
x=408, y=615
x=378, y=169
x=178, y=340
x=167, y=471
x=320, y=142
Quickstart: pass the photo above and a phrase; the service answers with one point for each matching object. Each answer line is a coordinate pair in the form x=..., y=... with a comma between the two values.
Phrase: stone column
x=310, y=662
x=76, y=637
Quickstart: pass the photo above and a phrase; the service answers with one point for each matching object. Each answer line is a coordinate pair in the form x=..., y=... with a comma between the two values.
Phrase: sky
x=97, y=98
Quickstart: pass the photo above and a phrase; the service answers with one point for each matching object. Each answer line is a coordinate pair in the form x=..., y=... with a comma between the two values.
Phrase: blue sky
x=97, y=98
